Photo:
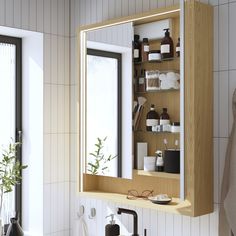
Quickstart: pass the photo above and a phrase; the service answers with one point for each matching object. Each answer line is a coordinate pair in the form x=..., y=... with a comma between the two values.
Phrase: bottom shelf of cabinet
x=157, y=174
x=175, y=207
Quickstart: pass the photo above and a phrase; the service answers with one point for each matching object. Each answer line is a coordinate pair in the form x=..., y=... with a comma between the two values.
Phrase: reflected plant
x=99, y=163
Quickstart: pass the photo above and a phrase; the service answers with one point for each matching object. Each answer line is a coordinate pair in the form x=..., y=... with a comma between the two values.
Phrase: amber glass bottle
x=145, y=49
x=177, y=49
x=164, y=117
x=167, y=48
x=152, y=118
x=136, y=49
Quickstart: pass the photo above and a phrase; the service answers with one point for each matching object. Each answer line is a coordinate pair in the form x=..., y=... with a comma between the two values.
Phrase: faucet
x=135, y=216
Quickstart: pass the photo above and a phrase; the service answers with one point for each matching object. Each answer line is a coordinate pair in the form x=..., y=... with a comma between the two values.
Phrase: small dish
x=160, y=199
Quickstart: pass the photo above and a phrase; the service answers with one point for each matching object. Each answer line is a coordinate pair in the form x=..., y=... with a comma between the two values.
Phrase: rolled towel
x=170, y=75
x=82, y=229
x=162, y=77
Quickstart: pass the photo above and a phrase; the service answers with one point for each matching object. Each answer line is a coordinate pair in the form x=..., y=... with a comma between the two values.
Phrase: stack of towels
x=169, y=80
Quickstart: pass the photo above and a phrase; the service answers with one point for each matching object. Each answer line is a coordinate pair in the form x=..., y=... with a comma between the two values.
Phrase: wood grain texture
x=141, y=18
x=157, y=174
x=199, y=107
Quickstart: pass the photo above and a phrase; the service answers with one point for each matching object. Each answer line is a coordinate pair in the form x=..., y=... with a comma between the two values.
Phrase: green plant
x=10, y=170
x=99, y=163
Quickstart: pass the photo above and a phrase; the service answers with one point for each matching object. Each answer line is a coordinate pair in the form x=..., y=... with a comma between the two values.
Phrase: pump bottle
x=112, y=229
x=167, y=47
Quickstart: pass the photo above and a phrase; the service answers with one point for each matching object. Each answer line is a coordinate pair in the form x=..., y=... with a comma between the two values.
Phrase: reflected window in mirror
x=103, y=113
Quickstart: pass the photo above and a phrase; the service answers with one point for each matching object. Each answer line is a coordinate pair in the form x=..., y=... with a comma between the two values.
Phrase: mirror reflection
x=108, y=101
x=133, y=98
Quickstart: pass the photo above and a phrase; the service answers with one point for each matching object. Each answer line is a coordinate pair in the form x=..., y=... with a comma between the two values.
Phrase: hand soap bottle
x=167, y=47
x=112, y=229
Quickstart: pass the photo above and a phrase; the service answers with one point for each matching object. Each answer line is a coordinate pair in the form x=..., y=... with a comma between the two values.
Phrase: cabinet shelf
x=157, y=61
x=157, y=174
x=158, y=133
x=159, y=91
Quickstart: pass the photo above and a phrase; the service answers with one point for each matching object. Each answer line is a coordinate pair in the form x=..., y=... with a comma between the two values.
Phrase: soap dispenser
x=167, y=46
x=112, y=229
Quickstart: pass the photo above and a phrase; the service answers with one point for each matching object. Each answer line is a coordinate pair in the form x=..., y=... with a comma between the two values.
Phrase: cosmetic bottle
x=164, y=117
x=167, y=50
x=177, y=48
x=141, y=82
x=136, y=49
x=159, y=161
x=112, y=229
x=145, y=49
x=152, y=118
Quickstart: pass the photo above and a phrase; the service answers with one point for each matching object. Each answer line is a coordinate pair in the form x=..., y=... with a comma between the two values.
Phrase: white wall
x=86, y=12
x=50, y=17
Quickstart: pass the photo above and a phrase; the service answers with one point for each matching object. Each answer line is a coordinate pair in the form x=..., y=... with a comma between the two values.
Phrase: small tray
x=162, y=199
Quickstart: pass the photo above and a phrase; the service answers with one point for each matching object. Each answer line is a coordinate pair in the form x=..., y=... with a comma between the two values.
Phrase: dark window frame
x=18, y=109
x=118, y=57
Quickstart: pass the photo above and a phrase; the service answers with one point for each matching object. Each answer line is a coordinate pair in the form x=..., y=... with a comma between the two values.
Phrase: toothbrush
x=176, y=144
x=165, y=142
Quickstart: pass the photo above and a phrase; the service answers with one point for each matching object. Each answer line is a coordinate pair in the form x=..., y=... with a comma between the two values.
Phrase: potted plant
x=10, y=173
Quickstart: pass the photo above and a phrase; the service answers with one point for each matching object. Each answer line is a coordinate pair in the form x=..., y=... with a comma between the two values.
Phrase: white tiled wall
x=52, y=18
x=86, y=12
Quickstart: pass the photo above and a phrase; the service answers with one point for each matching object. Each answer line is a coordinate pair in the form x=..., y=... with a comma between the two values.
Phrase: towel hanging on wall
x=228, y=187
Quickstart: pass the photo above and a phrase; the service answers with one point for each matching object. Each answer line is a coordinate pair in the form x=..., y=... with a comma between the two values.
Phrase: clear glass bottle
x=164, y=117
x=136, y=49
x=152, y=118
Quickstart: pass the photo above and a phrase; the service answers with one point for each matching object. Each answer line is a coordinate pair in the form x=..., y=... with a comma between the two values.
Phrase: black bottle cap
x=164, y=109
x=167, y=33
x=152, y=107
x=179, y=39
x=176, y=123
x=136, y=37
x=145, y=40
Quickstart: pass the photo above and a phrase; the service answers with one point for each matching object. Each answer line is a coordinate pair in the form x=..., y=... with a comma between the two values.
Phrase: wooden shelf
x=160, y=133
x=159, y=91
x=176, y=206
x=157, y=61
x=158, y=174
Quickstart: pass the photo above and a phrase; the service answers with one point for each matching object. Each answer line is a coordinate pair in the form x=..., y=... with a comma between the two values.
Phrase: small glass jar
x=175, y=128
x=154, y=55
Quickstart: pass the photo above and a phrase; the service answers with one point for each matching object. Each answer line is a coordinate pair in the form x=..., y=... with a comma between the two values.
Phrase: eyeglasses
x=133, y=194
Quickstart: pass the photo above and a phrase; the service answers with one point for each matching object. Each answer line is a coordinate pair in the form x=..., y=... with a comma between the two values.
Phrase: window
x=104, y=71
x=11, y=107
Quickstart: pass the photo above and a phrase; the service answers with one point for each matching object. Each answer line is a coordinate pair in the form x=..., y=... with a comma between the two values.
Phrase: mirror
x=109, y=101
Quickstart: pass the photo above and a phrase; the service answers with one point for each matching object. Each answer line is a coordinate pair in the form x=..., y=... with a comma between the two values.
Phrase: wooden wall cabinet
x=198, y=120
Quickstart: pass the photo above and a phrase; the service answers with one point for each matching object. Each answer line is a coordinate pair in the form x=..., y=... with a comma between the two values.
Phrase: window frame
x=18, y=112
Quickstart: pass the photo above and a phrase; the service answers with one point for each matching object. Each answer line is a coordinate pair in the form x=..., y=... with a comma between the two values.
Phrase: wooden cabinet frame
x=198, y=114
